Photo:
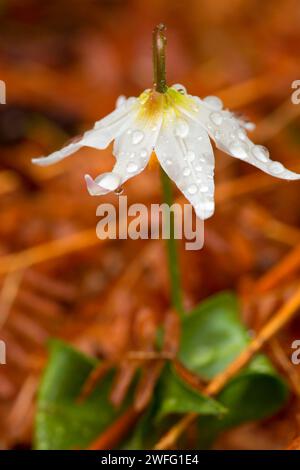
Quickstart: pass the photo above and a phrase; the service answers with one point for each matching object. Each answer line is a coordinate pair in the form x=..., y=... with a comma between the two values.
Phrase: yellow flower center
x=168, y=105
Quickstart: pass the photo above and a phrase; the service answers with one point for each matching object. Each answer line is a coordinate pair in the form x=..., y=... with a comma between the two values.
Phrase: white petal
x=123, y=107
x=188, y=160
x=132, y=150
x=99, y=137
x=103, y=184
x=229, y=134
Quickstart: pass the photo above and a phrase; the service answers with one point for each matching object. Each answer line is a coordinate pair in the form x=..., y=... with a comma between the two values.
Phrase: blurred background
x=64, y=64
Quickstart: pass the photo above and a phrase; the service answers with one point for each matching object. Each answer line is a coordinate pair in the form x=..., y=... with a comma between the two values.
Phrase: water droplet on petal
x=214, y=102
x=241, y=134
x=238, y=151
x=132, y=167
x=179, y=88
x=169, y=162
x=186, y=171
x=216, y=118
x=276, y=168
x=144, y=153
x=182, y=128
x=261, y=153
x=137, y=137
x=250, y=126
x=119, y=191
x=192, y=189
x=198, y=168
x=191, y=155
x=204, y=189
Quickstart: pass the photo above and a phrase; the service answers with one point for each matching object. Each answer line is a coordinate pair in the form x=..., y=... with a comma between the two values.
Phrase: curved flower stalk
x=178, y=127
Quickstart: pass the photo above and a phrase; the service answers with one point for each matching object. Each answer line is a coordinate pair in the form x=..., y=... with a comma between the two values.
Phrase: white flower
x=177, y=126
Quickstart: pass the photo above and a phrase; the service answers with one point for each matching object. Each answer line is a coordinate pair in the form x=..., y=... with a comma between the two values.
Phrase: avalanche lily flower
x=178, y=127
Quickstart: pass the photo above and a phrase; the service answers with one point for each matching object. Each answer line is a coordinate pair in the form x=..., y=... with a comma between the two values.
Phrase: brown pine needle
x=8, y=294
x=95, y=376
x=286, y=266
x=49, y=250
x=282, y=316
x=116, y=431
x=55, y=248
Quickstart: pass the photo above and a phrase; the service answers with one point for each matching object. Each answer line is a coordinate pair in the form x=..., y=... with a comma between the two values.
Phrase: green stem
x=173, y=258
x=159, y=58
x=160, y=85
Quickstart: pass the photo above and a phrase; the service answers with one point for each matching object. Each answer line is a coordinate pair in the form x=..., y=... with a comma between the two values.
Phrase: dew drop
x=186, y=171
x=191, y=155
x=216, y=118
x=144, y=153
x=238, y=151
x=180, y=88
x=198, y=168
x=192, y=189
x=214, y=102
x=119, y=191
x=132, y=167
x=241, y=134
x=204, y=189
x=169, y=162
x=182, y=128
x=250, y=126
x=137, y=137
x=261, y=153
x=276, y=168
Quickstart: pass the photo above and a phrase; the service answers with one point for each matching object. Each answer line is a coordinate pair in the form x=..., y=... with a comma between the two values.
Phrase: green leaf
x=256, y=393
x=175, y=396
x=212, y=337
x=61, y=423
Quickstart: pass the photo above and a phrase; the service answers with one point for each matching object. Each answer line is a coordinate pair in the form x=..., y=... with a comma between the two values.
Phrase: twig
x=8, y=294
x=282, y=316
x=114, y=433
